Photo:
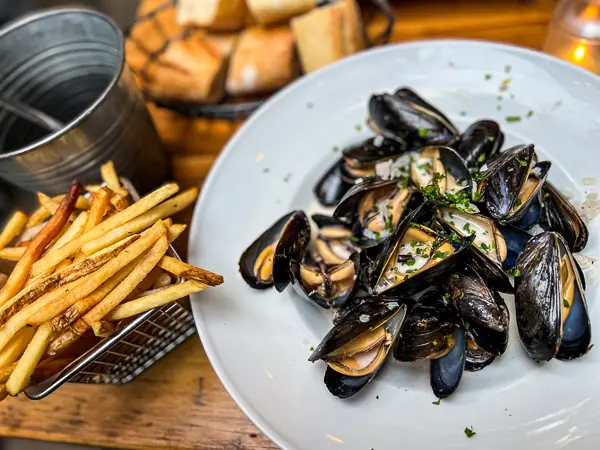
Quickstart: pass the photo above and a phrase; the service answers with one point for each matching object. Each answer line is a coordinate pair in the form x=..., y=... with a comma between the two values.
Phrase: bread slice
x=328, y=33
x=263, y=61
x=223, y=42
x=271, y=11
x=213, y=14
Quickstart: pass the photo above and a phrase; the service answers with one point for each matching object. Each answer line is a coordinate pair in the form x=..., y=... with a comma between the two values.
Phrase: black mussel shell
x=559, y=215
x=349, y=210
x=433, y=275
x=487, y=250
x=325, y=221
x=332, y=186
x=373, y=150
x=501, y=184
x=331, y=293
x=428, y=329
x=540, y=304
x=366, y=316
x=409, y=119
x=291, y=233
x=480, y=142
x=435, y=161
x=476, y=358
x=446, y=372
x=482, y=309
x=515, y=240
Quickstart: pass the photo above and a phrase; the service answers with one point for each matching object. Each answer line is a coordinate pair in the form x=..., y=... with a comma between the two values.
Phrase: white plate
x=259, y=341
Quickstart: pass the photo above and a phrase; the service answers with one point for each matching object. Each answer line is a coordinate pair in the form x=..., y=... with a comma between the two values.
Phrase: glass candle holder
x=574, y=33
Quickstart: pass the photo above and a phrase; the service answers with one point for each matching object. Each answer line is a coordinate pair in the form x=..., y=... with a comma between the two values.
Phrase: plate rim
x=209, y=349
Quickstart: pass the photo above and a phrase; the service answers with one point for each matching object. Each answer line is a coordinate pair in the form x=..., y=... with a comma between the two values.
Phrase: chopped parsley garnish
x=447, y=295
x=462, y=295
x=419, y=251
x=518, y=202
x=481, y=158
x=438, y=176
x=437, y=403
x=529, y=113
x=485, y=247
x=521, y=162
x=266, y=170
x=441, y=255
x=499, y=98
x=477, y=196
x=389, y=222
x=435, y=342
x=358, y=127
x=287, y=177
x=463, y=113
x=389, y=206
x=354, y=239
x=566, y=303
x=410, y=262
x=454, y=237
x=467, y=324
x=469, y=432
x=505, y=83
x=424, y=132
x=511, y=119
x=335, y=149
x=507, y=68
x=488, y=76
x=451, y=222
x=498, y=107
x=517, y=273
x=467, y=228
x=377, y=235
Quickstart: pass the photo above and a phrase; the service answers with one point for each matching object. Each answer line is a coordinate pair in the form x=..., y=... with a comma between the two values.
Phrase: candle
x=574, y=33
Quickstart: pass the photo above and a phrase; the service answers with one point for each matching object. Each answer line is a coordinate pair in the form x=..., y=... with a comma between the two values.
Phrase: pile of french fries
x=84, y=261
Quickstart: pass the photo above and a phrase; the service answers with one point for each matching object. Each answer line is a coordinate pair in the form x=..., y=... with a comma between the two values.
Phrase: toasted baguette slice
x=189, y=70
x=328, y=33
x=224, y=42
x=213, y=14
x=271, y=11
x=263, y=61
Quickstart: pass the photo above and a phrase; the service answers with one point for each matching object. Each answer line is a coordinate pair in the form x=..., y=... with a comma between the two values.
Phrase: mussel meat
x=333, y=245
x=407, y=118
x=480, y=143
x=374, y=208
x=328, y=287
x=356, y=348
x=267, y=261
x=416, y=256
x=551, y=309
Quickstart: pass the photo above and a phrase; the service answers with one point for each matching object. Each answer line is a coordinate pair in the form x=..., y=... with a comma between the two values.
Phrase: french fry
x=38, y=217
x=82, y=306
x=98, y=208
x=103, y=328
x=119, y=202
x=142, y=222
x=13, y=228
x=162, y=297
x=175, y=231
x=68, y=337
x=63, y=265
x=52, y=259
x=12, y=253
x=52, y=204
x=19, y=378
x=93, y=187
x=44, y=311
x=110, y=177
x=189, y=272
x=6, y=371
x=73, y=232
x=145, y=284
x=72, y=273
x=3, y=278
x=29, y=234
x=82, y=202
x=129, y=283
x=3, y=392
x=17, y=345
x=18, y=276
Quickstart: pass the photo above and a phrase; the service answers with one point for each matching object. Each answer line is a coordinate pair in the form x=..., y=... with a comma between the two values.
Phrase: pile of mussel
x=427, y=229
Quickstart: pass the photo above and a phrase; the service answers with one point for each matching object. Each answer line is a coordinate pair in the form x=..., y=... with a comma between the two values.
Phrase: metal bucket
x=69, y=63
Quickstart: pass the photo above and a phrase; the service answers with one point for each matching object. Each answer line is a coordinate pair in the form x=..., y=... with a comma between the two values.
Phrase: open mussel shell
x=482, y=310
x=367, y=154
x=332, y=186
x=374, y=208
x=512, y=183
x=334, y=242
x=489, y=248
x=515, y=240
x=559, y=215
x=441, y=166
x=446, y=372
x=415, y=256
x=328, y=287
x=476, y=357
x=357, y=347
x=480, y=143
x=407, y=118
x=550, y=304
x=267, y=261
x=428, y=329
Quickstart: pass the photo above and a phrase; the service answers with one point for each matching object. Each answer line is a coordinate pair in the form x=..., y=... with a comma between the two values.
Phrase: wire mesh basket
x=135, y=345
x=229, y=108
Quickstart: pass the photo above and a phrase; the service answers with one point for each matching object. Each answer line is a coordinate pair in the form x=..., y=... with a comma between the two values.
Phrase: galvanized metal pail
x=69, y=63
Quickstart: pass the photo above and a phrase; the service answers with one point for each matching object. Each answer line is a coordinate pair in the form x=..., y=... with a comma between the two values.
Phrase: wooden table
x=180, y=403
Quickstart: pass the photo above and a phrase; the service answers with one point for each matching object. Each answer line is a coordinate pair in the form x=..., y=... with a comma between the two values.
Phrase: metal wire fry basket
x=135, y=345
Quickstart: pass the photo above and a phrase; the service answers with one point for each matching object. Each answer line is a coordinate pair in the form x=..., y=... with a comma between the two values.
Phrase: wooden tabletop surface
x=180, y=402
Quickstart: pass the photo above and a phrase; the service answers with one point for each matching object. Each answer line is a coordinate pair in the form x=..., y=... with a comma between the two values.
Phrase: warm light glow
x=579, y=53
